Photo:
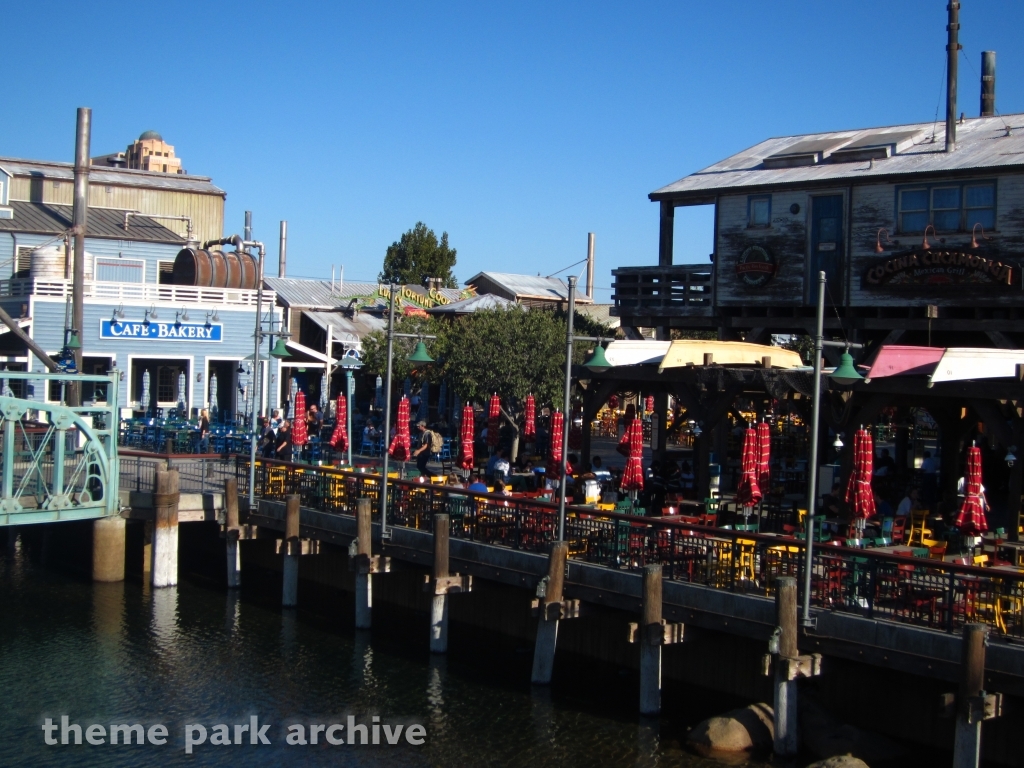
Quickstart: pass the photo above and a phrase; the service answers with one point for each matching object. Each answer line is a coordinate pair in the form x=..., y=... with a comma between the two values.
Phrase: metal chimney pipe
x=952, y=57
x=80, y=216
x=988, y=83
x=590, y=264
x=282, y=259
x=248, y=226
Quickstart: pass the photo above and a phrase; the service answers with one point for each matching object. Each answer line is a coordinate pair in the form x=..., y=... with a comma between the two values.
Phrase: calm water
x=121, y=653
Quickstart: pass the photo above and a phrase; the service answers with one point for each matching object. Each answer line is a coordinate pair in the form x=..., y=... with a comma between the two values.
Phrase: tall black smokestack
x=988, y=83
x=79, y=217
x=952, y=57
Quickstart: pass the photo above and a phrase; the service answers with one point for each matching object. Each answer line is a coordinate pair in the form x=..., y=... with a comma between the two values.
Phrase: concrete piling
x=290, y=585
x=165, y=529
x=651, y=634
x=231, y=531
x=547, y=627
x=972, y=703
x=108, y=545
x=786, y=740
x=444, y=583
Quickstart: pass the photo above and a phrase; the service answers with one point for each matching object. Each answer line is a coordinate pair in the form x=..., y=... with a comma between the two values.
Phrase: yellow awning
x=691, y=352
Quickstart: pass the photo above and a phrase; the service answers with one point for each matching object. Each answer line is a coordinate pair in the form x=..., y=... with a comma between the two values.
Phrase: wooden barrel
x=215, y=269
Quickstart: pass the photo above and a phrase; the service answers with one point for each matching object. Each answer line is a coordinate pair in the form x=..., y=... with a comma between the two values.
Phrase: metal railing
x=196, y=474
x=135, y=292
x=909, y=590
x=685, y=289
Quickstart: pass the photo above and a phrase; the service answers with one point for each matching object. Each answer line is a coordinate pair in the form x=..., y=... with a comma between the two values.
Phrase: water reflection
x=437, y=671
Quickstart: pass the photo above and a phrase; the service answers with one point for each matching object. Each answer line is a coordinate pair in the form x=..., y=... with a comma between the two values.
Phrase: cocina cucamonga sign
x=110, y=329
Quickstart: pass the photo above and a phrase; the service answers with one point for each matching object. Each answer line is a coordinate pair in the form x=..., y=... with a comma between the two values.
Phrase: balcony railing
x=136, y=292
x=651, y=291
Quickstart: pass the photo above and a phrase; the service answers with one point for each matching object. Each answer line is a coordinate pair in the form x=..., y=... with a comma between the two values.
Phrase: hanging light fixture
x=974, y=234
x=74, y=342
x=1010, y=458
x=420, y=356
x=846, y=373
x=925, y=245
x=697, y=431
x=280, y=350
x=838, y=442
x=598, y=362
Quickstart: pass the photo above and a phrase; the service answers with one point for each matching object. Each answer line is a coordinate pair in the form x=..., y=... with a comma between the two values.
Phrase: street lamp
x=845, y=374
x=351, y=363
x=417, y=358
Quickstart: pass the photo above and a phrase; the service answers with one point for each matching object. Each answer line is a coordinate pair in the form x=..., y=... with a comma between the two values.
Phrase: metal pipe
x=952, y=58
x=257, y=375
x=80, y=216
x=590, y=264
x=234, y=240
x=282, y=258
x=387, y=416
x=186, y=219
x=247, y=232
x=812, y=459
x=988, y=83
x=567, y=419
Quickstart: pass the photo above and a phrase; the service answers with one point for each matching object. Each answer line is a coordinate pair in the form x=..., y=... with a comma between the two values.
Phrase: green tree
x=418, y=255
x=375, y=349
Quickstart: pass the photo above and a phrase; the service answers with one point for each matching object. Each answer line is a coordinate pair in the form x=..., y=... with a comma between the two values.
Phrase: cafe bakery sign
x=756, y=266
x=938, y=267
x=192, y=332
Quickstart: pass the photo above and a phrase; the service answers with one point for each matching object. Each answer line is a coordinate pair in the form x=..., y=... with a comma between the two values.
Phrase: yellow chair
x=918, y=520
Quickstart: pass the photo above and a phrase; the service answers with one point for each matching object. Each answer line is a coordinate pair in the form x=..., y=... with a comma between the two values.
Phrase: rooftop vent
x=874, y=146
x=805, y=152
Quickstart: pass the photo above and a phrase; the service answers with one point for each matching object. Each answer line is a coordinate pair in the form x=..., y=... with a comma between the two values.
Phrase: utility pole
x=80, y=215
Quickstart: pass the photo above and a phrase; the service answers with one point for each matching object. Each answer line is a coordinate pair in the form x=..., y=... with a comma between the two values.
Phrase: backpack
x=436, y=442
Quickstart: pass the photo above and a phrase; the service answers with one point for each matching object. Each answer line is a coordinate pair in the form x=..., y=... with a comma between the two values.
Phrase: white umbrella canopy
x=378, y=395
x=324, y=393
x=144, y=400
x=213, y=394
x=293, y=388
x=181, y=392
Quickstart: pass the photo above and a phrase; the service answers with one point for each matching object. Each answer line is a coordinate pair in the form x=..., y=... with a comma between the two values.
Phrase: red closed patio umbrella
x=530, y=417
x=649, y=404
x=971, y=518
x=340, y=434
x=555, y=457
x=466, y=437
x=400, y=447
x=749, y=492
x=493, y=414
x=299, y=434
x=633, y=475
x=858, y=486
x=627, y=420
x=764, y=456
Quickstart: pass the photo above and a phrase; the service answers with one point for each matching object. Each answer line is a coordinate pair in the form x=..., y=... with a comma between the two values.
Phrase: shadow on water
x=111, y=653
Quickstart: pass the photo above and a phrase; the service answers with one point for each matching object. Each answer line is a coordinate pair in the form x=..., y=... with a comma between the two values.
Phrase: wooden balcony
x=684, y=290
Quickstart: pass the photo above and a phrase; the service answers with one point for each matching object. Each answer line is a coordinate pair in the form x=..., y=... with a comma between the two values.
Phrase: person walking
x=422, y=454
x=283, y=447
x=204, y=431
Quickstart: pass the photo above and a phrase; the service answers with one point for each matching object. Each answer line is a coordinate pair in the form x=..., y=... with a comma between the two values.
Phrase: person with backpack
x=428, y=439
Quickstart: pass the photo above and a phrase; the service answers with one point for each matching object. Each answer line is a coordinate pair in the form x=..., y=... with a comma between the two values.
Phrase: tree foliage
x=418, y=255
x=375, y=349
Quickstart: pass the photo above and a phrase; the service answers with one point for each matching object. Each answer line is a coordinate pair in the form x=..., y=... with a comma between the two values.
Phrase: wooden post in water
x=108, y=537
x=165, y=528
x=364, y=580
x=973, y=705
x=231, y=533
x=652, y=633
x=444, y=583
x=550, y=607
x=786, y=740
x=291, y=550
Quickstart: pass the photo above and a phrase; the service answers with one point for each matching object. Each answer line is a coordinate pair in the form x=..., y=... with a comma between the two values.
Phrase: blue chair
x=446, y=450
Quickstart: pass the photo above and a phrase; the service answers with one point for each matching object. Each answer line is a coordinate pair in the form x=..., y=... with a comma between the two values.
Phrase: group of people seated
x=275, y=441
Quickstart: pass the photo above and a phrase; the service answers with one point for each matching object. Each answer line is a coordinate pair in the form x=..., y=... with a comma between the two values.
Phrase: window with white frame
x=759, y=211
x=113, y=270
x=947, y=207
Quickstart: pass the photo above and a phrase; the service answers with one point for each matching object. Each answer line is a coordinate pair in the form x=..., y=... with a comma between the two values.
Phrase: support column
x=165, y=528
x=108, y=537
x=786, y=739
x=652, y=633
x=666, y=233
x=967, y=745
x=290, y=550
x=365, y=564
x=147, y=550
x=550, y=607
x=444, y=583
x=231, y=534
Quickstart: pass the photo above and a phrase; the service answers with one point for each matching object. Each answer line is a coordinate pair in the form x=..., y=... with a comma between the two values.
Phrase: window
x=113, y=270
x=165, y=272
x=167, y=383
x=949, y=208
x=759, y=211
x=23, y=264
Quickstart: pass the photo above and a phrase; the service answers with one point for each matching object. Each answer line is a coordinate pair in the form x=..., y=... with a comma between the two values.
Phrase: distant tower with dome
x=151, y=153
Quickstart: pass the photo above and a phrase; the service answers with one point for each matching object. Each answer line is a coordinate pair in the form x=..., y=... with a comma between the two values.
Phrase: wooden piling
x=967, y=745
x=231, y=531
x=785, y=704
x=364, y=579
x=650, y=652
x=547, y=628
x=439, y=605
x=165, y=529
x=290, y=550
x=108, y=540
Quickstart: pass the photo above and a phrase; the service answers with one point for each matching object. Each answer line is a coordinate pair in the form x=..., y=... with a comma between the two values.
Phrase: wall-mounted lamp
x=925, y=246
x=150, y=314
x=118, y=314
x=120, y=376
x=199, y=376
x=974, y=235
x=838, y=442
x=879, y=248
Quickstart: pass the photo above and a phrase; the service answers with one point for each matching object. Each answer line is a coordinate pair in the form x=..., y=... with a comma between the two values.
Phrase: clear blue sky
x=517, y=128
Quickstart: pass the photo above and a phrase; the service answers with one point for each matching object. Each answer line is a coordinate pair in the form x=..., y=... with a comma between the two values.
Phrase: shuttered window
x=111, y=270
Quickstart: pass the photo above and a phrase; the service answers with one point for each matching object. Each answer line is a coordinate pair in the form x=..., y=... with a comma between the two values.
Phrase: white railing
x=143, y=293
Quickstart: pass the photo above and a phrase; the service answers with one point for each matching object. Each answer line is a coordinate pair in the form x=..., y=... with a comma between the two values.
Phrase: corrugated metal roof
x=528, y=286
x=320, y=294
x=472, y=304
x=48, y=218
x=348, y=329
x=117, y=176
x=982, y=142
x=600, y=313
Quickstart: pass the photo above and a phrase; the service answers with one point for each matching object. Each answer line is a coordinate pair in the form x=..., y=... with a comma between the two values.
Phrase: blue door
x=827, y=251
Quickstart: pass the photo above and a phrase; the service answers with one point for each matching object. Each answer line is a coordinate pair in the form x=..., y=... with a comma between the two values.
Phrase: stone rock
x=741, y=730
x=840, y=761
x=825, y=737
